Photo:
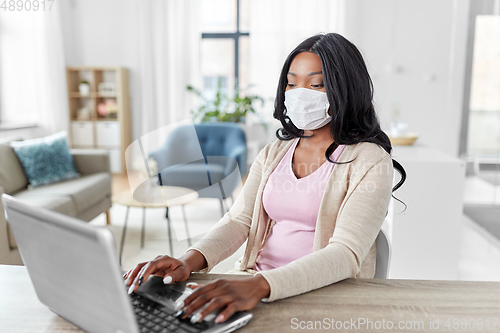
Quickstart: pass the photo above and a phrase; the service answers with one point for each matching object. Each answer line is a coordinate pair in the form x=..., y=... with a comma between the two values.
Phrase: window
x=17, y=65
x=484, y=116
x=225, y=46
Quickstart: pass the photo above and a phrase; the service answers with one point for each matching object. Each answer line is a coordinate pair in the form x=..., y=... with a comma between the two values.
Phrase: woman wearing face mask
x=314, y=200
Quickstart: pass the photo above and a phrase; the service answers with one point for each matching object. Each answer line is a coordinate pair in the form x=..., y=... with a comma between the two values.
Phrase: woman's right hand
x=170, y=269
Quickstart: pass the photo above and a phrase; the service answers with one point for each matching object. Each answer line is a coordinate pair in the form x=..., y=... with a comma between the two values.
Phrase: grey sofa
x=84, y=198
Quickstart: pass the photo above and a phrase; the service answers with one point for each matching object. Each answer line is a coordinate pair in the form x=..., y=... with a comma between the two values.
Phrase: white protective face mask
x=307, y=109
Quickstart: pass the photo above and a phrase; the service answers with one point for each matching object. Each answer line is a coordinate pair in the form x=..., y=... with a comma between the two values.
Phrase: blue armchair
x=217, y=173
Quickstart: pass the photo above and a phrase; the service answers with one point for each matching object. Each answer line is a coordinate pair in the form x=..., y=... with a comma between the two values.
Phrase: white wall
x=104, y=33
x=425, y=39
x=415, y=51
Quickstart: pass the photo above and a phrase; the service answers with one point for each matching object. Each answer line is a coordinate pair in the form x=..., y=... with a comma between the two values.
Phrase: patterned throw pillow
x=46, y=160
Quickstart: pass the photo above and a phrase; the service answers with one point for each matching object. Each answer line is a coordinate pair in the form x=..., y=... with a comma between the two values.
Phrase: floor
x=488, y=217
x=479, y=255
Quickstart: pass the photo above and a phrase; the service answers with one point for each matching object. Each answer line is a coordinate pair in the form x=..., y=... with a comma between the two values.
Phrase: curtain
x=169, y=40
x=50, y=72
x=278, y=26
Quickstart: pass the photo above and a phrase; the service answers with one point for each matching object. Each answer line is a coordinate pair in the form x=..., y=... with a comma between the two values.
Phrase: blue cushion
x=46, y=160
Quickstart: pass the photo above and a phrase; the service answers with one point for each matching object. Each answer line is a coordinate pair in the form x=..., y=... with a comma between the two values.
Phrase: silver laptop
x=74, y=269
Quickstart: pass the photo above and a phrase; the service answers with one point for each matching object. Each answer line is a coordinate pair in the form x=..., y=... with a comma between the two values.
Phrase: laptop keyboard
x=153, y=317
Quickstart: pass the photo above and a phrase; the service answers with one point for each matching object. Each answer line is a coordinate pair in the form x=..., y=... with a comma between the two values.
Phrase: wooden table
x=409, y=302
x=154, y=197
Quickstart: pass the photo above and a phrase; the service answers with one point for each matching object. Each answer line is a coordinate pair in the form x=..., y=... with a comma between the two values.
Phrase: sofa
x=85, y=197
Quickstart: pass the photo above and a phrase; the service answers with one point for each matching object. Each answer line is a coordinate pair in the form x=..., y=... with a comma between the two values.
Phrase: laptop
x=75, y=272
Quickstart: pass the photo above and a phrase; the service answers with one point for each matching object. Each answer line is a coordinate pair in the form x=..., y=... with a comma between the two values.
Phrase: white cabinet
x=107, y=134
x=82, y=133
x=426, y=237
x=108, y=137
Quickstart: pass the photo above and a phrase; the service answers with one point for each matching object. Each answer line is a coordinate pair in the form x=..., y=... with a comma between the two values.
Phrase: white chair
x=383, y=255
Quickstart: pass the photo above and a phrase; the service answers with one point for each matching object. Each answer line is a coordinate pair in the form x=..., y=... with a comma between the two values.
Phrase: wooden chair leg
x=108, y=217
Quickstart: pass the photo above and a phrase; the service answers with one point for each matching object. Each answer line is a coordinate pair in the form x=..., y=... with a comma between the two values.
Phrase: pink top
x=294, y=204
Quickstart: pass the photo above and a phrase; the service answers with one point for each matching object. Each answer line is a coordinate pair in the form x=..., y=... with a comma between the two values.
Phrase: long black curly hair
x=349, y=89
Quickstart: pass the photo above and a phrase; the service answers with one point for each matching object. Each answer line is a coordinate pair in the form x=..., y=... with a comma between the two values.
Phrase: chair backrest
x=223, y=139
x=216, y=139
x=181, y=147
x=383, y=255
x=185, y=145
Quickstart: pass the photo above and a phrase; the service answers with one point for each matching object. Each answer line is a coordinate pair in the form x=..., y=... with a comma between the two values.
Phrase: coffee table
x=155, y=197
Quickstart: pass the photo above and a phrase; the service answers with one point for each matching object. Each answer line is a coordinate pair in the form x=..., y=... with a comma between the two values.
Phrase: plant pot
x=84, y=89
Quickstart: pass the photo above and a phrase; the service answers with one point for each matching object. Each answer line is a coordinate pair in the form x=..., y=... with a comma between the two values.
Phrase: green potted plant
x=223, y=107
x=84, y=88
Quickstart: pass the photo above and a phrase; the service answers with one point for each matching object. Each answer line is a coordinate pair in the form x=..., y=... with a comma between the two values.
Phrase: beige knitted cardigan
x=350, y=216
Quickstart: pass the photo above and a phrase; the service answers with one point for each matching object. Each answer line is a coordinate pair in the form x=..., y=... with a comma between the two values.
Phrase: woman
x=314, y=200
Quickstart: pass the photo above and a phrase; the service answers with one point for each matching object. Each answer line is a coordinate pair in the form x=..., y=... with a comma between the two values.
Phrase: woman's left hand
x=230, y=295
